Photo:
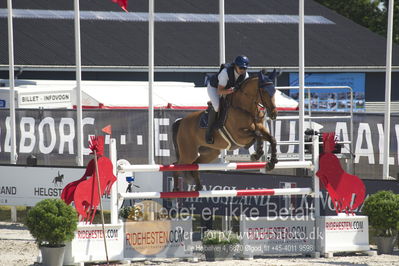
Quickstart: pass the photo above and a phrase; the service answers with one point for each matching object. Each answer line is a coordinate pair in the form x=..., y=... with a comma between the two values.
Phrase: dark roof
x=107, y=44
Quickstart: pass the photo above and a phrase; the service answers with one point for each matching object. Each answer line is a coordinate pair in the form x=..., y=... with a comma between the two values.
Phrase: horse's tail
x=175, y=129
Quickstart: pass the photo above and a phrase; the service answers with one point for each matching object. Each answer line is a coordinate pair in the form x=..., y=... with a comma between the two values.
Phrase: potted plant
x=382, y=208
x=219, y=245
x=52, y=223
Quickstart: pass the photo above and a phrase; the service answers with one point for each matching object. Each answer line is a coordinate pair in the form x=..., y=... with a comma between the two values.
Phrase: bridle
x=262, y=101
x=256, y=102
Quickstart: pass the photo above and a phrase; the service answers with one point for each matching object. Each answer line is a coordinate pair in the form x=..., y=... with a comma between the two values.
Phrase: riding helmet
x=241, y=61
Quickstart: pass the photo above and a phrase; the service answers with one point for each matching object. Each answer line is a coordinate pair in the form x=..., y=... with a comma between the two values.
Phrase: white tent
x=117, y=94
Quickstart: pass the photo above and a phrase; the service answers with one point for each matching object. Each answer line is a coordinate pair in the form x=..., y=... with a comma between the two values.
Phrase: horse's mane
x=244, y=83
x=265, y=81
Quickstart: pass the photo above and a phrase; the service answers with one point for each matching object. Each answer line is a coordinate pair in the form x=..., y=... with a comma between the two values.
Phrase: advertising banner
x=251, y=206
x=158, y=239
x=25, y=186
x=332, y=99
x=344, y=233
x=258, y=206
x=50, y=135
x=277, y=236
x=88, y=244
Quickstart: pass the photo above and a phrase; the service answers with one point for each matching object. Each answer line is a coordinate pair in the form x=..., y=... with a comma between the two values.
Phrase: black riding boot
x=222, y=114
x=211, y=122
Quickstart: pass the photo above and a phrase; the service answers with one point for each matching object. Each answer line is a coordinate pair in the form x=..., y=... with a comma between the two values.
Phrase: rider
x=222, y=84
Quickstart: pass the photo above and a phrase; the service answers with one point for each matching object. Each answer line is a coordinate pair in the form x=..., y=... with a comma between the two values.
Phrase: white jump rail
x=217, y=193
x=124, y=166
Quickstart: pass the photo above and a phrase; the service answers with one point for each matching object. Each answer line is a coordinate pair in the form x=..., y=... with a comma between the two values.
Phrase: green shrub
x=125, y=211
x=213, y=237
x=382, y=208
x=51, y=222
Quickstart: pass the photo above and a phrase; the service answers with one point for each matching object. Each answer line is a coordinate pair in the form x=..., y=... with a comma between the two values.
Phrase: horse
x=243, y=126
x=58, y=179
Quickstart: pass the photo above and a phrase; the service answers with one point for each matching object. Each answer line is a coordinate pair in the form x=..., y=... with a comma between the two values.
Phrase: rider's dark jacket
x=214, y=81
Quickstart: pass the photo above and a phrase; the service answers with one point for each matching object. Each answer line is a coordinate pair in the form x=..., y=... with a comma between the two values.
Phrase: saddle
x=222, y=114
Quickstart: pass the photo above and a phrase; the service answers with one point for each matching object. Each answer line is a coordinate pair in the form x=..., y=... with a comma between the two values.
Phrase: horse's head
x=267, y=92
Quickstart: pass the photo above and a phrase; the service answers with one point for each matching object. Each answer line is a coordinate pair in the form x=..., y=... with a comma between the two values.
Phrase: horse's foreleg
x=273, y=146
x=258, y=149
x=273, y=159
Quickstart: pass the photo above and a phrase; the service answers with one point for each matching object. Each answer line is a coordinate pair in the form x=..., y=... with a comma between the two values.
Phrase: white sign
x=25, y=186
x=43, y=98
x=277, y=235
x=344, y=233
x=88, y=244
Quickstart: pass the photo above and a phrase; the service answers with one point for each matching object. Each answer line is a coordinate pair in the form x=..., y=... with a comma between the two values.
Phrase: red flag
x=96, y=181
x=107, y=129
x=121, y=3
x=341, y=185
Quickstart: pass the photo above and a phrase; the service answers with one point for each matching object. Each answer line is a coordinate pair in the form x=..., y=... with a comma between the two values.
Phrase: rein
x=255, y=102
x=262, y=101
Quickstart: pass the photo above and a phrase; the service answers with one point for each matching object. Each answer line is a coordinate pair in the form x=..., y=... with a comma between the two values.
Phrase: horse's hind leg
x=197, y=181
x=188, y=155
x=176, y=181
x=207, y=155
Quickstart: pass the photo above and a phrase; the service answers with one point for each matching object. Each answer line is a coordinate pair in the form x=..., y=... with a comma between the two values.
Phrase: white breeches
x=214, y=97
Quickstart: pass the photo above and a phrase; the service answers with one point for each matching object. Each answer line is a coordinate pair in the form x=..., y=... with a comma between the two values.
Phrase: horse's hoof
x=271, y=163
x=175, y=189
x=269, y=166
x=256, y=156
x=198, y=187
